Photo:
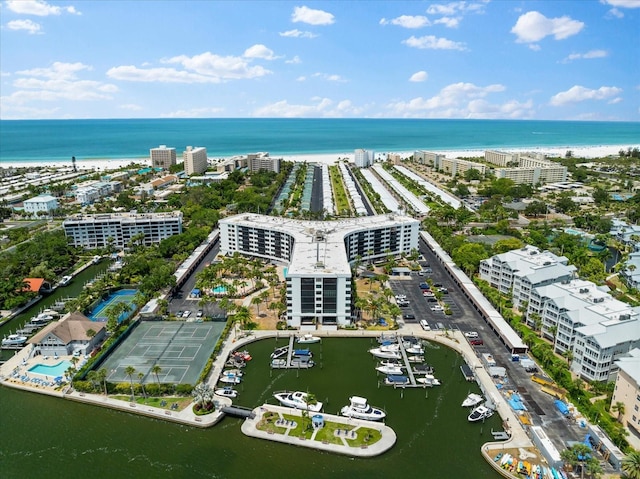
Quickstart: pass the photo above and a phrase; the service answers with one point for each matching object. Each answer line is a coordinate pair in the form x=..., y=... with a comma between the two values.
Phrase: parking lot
x=465, y=318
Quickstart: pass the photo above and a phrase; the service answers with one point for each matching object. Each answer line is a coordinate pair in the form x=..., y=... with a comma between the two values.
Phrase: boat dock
x=412, y=378
x=292, y=361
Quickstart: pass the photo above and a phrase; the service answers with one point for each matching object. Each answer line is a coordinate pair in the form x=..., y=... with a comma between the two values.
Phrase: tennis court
x=121, y=296
x=180, y=349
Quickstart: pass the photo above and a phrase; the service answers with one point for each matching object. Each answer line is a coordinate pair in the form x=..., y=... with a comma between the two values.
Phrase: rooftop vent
x=624, y=317
x=584, y=290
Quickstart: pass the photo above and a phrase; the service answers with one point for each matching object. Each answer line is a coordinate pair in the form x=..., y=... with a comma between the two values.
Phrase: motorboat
x=428, y=380
x=280, y=352
x=415, y=359
x=396, y=380
x=235, y=363
x=392, y=362
x=96, y=259
x=308, y=339
x=298, y=400
x=385, y=353
x=227, y=392
x=480, y=413
x=230, y=379
x=302, y=353
x=415, y=349
x=302, y=362
x=232, y=372
x=359, y=409
x=278, y=363
x=244, y=355
x=387, y=338
x=394, y=370
x=14, y=340
x=472, y=400
x=65, y=280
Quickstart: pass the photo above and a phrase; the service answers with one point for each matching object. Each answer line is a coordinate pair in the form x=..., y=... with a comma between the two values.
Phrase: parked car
x=403, y=304
x=409, y=316
x=425, y=325
x=186, y=314
x=200, y=313
x=432, y=299
x=444, y=290
x=476, y=342
x=437, y=285
x=424, y=286
x=400, y=297
x=471, y=334
x=179, y=313
x=420, y=273
x=428, y=270
x=437, y=307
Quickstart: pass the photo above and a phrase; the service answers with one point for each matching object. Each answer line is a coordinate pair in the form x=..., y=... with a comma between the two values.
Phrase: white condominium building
x=520, y=270
x=458, y=167
x=318, y=256
x=46, y=203
x=500, y=158
x=163, y=157
x=427, y=158
x=627, y=389
x=552, y=173
x=263, y=162
x=364, y=158
x=195, y=160
x=581, y=318
x=118, y=229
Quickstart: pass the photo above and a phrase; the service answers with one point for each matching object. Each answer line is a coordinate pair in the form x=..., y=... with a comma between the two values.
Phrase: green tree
x=130, y=371
x=619, y=408
x=156, y=370
x=102, y=377
x=631, y=465
x=468, y=257
x=580, y=455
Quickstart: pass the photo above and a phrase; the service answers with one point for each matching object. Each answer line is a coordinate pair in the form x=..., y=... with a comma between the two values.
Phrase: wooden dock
x=292, y=362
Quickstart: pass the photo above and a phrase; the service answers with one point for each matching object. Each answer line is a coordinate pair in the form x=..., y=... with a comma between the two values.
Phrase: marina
x=287, y=357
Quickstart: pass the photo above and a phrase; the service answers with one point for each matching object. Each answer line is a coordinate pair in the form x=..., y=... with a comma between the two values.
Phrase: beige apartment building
x=195, y=160
x=627, y=389
x=163, y=157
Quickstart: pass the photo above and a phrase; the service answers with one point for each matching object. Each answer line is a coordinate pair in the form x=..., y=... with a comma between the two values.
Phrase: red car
x=476, y=342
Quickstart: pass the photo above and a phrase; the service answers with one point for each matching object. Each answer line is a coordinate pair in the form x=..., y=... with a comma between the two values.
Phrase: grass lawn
x=159, y=402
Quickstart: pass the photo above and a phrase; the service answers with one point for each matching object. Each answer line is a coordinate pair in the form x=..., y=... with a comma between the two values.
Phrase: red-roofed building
x=37, y=285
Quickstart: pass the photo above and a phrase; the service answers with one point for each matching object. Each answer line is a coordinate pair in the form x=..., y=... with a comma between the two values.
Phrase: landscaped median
x=341, y=435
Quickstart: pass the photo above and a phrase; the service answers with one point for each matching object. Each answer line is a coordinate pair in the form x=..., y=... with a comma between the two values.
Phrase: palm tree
x=156, y=370
x=257, y=301
x=140, y=378
x=203, y=396
x=631, y=465
x=579, y=454
x=619, y=408
x=309, y=400
x=92, y=376
x=102, y=377
x=129, y=371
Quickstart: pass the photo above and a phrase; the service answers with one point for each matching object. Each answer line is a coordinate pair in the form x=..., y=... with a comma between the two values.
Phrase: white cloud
x=29, y=26
x=419, y=76
x=430, y=42
x=54, y=83
x=615, y=100
x=578, y=93
x=294, y=61
x=449, y=22
x=193, y=113
x=259, y=51
x=535, y=47
x=311, y=16
x=39, y=8
x=130, y=107
x=329, y=77
x=622, y=3
x=407, y=21
x=203, y=68
x=588, y=55
x=320, y=107
x=301, y=78
x=297, y=34
x=614, y=12
x=533, y=27
x=460, y=100
x=455, y=7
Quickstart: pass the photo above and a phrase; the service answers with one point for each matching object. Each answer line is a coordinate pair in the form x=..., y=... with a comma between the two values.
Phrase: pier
x=292, y=361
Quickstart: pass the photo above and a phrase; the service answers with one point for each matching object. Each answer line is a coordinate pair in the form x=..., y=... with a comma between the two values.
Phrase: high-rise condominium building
x=195, y=160
x=163, y=157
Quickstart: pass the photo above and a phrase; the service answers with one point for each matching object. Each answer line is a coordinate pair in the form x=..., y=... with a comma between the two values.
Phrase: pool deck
x=351, y=426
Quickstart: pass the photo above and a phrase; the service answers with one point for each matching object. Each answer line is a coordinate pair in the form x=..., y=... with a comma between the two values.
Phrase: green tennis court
x=180, y=349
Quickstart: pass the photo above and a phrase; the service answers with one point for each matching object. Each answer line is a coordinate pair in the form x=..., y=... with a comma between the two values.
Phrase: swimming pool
x=54, y=370
x=219, y=290
x=126, y=296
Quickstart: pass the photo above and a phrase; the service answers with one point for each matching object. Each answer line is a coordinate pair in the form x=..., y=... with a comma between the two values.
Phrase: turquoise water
x=121, y=296
x=46, y=140
x=219, y=290
x=53, y=370
x=285, y=271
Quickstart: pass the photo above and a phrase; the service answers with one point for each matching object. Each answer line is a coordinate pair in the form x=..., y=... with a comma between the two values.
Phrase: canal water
x=70, y=291
x=49, y=437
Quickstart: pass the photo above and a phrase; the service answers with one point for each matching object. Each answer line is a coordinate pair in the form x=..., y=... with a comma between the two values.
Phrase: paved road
x=465, y=318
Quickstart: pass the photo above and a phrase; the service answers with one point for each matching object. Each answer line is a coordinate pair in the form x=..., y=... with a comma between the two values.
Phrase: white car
x=471, y=334
x=437, y=307
x=425, y=325
x=401, y=297
x=186, y=314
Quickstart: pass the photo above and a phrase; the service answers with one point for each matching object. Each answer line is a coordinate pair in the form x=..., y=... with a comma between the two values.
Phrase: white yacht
x=308, y=339
x=386, y=352
x=298, y=400
x=14, y=340
x=359, y=409
x=397, y=381
x=428, y=380
x=227, y=392
x=65, y=280
x=388, y=369
x=472, y=400
x=415, y=349
x=480, y=413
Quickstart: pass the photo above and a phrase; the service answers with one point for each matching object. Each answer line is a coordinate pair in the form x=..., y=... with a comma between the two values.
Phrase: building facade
x=427, y=158
x=364, y=158
x=263, y=162
x=45, y=203
x=162, y=157
x=319, y=256
x=119, y=229
x=552, y=173
x=195, y=160
x=627, y=390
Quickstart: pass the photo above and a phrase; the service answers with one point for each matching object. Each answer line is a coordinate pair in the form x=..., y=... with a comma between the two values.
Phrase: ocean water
x=55, y=140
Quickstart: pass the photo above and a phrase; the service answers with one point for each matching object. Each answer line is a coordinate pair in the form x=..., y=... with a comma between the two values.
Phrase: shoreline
x=107, y=164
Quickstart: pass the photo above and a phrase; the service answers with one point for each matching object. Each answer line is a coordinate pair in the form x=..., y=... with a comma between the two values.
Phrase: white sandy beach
x=330, y=158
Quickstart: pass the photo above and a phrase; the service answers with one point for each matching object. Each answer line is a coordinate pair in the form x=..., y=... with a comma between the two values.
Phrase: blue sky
x=554, y=60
